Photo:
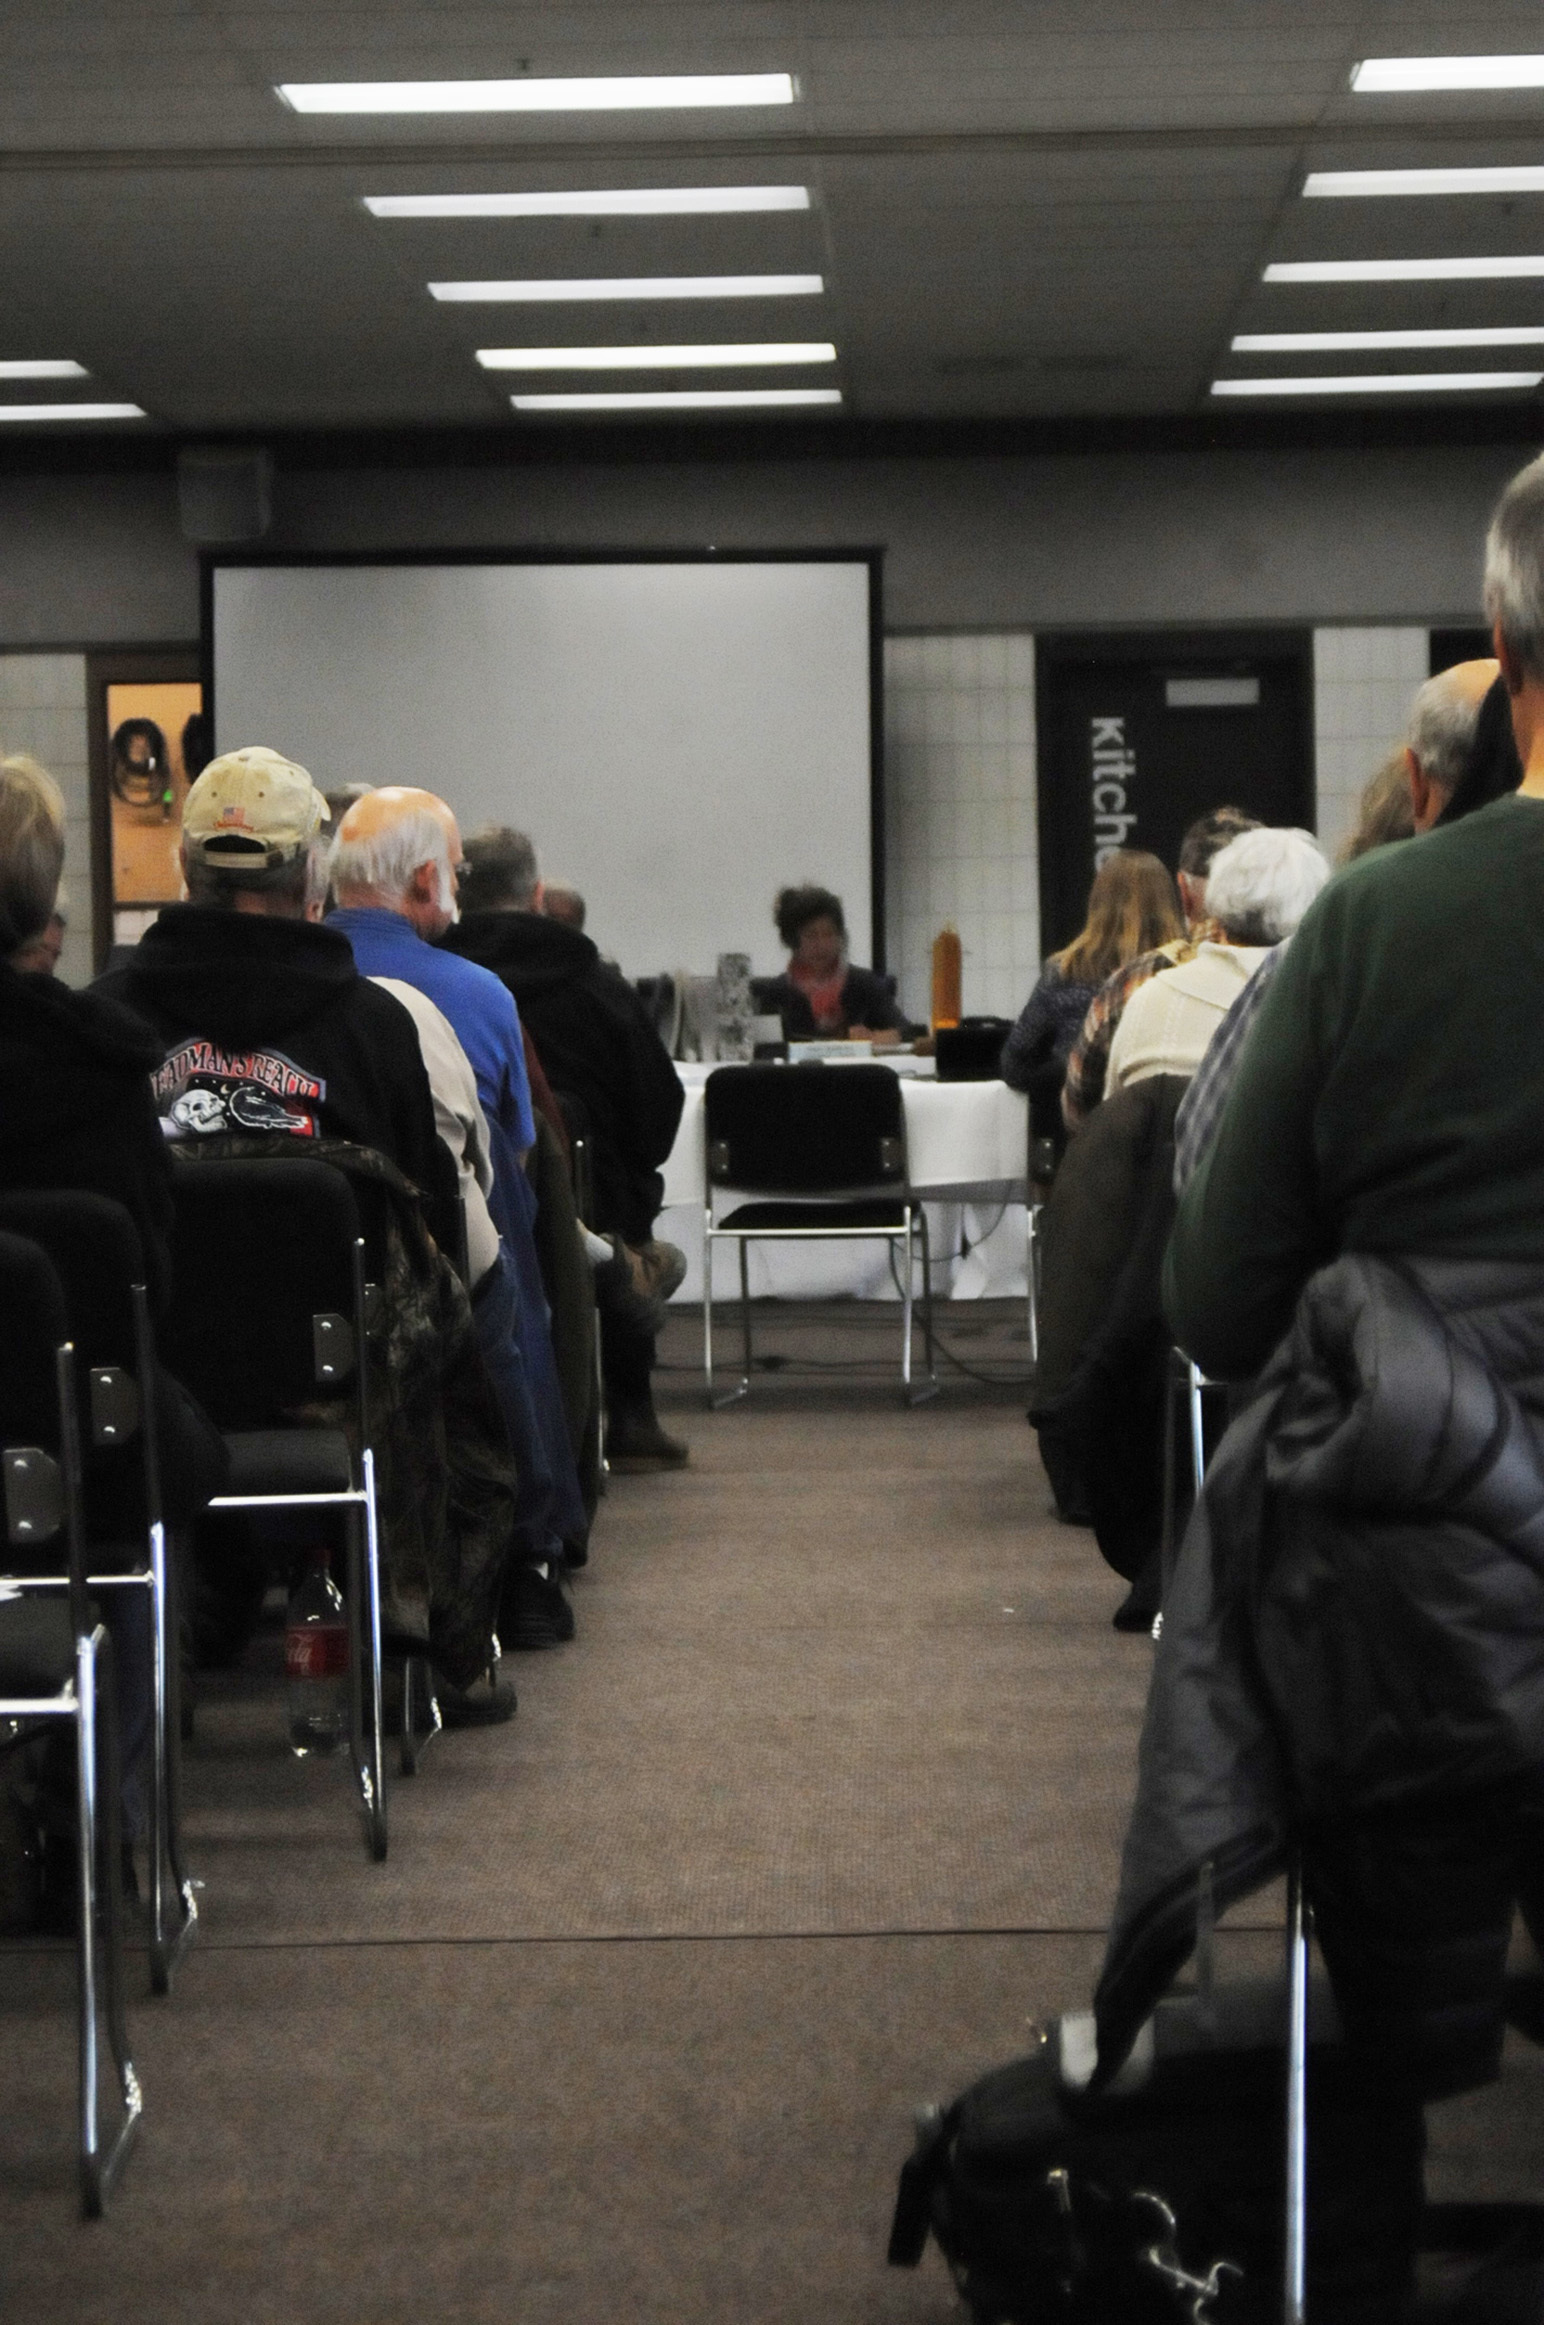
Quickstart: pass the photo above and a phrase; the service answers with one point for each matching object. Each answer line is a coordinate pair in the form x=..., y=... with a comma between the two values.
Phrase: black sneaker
x=635, y=1285
x=535, y=1612
x=635, y=1443
x=484, y=1705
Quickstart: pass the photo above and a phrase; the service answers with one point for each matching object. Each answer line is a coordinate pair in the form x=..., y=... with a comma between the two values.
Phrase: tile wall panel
x=961, y=840
x=43, y=712
x=1363, y=681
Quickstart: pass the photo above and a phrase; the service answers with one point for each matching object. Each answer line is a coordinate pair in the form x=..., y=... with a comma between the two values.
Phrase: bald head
x=1440, y=736
x=398, y=849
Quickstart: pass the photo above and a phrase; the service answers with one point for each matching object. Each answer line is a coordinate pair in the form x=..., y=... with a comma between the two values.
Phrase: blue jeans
x=496, y=1314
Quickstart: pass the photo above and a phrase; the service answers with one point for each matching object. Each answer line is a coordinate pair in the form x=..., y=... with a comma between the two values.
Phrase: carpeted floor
x=820, y=1809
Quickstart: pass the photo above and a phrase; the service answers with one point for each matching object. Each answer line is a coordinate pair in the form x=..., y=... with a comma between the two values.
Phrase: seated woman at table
x=820, y=995
x=1132, y=909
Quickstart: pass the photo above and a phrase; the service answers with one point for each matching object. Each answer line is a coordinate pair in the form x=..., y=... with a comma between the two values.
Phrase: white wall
x=961, y=840
x=43, y=712
x=1362, y=683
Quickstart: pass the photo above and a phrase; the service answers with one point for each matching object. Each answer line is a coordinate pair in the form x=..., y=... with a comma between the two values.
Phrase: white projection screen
x=679, y=736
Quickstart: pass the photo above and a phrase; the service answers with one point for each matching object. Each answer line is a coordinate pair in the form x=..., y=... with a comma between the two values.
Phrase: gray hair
x=1443, y=718
x=1514, y=568
x=500, y=873
x=1261, y=884
x=31, y=849
x=387, y=858
x=298, y=880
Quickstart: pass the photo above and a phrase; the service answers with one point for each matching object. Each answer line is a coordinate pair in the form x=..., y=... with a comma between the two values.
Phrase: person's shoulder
x=105, y=1021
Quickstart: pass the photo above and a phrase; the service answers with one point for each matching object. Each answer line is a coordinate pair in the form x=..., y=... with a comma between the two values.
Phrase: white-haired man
x=1440, y=735
x=1257, y=890
x=394, y=869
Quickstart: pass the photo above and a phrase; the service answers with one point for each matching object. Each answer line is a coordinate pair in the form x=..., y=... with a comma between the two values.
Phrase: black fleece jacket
x=78, y=1112
x=266, y=1025
x=596, y=1043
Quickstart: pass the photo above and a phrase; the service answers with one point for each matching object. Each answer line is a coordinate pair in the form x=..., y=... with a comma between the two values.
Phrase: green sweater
x=1391, y=1095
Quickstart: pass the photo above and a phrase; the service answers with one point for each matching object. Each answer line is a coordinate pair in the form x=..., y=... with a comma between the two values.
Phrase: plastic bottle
x=316, y=1662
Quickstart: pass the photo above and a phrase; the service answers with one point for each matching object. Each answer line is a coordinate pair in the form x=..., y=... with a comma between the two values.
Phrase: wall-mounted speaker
x=224, y=496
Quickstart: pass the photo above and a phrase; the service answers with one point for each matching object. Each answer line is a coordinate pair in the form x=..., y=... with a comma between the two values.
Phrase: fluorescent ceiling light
x=678, y=400
x=614, y=93
x=1378, y=75
x=1513, y=178
x=696, y=358
x=648, y=286
x=1401, y=270
x=621, y=202
x=1322, y=342
x=42, y=367
x=1378, y=383
x=71, y=412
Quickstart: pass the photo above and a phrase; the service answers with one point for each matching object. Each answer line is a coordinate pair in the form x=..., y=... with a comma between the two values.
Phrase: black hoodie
x=77, y=1111
x=265, y=1025
x=596, y=1043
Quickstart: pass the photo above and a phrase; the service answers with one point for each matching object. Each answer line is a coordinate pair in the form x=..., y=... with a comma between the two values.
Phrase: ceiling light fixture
x=1401, y=270
x=42, y=367
x=662, y=286
x=1379, y=76
x=677, y=400
x=1378, y=383
x=735, y=353
x=623, y=92
x=1323, y=342
x=1512, y=178
x=620, y=202
x=65, y=411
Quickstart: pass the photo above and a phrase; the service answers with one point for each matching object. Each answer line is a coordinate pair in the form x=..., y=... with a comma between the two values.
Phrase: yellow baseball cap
x=252, y=803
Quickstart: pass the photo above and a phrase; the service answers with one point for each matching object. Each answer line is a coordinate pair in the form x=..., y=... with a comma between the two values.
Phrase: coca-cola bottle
x=316, y=1662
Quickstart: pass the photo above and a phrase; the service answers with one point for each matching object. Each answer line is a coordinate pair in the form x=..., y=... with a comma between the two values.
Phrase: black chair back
x=805, y=1130
x=96, y=1253
x=972, y=1050
x=37, y=1417
x=264, y=1265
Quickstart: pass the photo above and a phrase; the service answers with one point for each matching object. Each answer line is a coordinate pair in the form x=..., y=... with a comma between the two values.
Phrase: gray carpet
x=821, y=1808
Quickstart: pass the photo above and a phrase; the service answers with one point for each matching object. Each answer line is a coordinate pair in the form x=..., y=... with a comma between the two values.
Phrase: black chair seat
x=271, y=1461
x=37, y=1645
x=808, y=1218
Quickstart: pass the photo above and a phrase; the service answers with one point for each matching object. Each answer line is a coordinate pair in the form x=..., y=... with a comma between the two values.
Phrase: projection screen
x=680, y=737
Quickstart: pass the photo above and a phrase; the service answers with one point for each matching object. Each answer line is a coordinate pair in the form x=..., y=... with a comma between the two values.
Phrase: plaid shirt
x=1089, y=1061
x=1200, y=1110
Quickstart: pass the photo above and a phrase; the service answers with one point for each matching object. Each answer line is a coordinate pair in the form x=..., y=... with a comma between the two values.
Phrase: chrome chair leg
x=166, y=1946
x=101, y=1916
x=930, y=1390
x=906, y=1304
x=745, y=1317
x=417, y=1677
x=1032, y=1276
x=1295, y=2273
x=1197, y=1429
x=375, y=1771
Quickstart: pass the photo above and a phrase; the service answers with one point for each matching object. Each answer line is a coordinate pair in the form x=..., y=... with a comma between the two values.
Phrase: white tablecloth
x=968, y=1145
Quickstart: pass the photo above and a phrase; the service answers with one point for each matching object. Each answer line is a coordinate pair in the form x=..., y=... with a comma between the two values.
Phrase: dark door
x=1140, y=734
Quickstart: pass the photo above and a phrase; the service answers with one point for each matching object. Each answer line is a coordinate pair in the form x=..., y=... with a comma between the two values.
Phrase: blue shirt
x=480, y=1007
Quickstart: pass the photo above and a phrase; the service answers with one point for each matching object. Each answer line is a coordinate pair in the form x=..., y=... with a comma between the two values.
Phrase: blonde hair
x=31, y=849
x=1132, y=909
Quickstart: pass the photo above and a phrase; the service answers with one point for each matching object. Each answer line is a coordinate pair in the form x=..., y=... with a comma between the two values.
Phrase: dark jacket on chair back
x=78, y=1111
x=597, y=1043
x=266, y=1026
x=1356, y=1622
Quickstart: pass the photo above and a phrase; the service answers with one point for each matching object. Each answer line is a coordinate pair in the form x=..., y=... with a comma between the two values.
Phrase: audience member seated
x=1259, y=887
x=599, y=1047
x=80, y=1117
x=394, y=867
x=268, y=1032
x=1132, y=910
x=820, y=995
x=562, y=901
x=1350, y=1655
x=1088, y=1059
x=1447, y=728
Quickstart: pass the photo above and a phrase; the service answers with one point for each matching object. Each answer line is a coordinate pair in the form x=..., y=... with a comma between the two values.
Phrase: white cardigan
x=1166, y=1025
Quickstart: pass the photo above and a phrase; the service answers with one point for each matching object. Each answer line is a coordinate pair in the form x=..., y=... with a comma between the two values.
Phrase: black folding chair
x=56, y=1665
x=825, y=1146
x=95, y=1250
x=269, y=1311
